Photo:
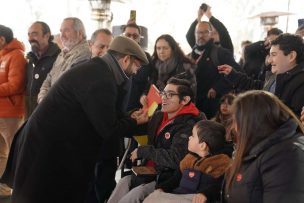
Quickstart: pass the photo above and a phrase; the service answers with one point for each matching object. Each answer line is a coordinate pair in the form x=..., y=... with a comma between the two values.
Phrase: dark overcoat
x=53, y=155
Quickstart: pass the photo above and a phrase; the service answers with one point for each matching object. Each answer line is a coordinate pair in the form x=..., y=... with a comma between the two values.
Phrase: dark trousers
x=104, y=181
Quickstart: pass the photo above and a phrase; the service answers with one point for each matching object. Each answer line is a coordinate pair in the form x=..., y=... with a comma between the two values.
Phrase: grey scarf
x=165, y=70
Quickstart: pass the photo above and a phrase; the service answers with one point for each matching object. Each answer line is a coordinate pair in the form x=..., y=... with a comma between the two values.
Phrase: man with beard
x=53, y=155
x=211, y=85
x=140, y=80
x=75, y=50
x=219, y=34
x=40, y=61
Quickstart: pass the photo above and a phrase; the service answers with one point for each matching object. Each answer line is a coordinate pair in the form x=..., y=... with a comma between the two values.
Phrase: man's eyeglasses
x=133, y=36
x=203, y=32
x=167, y=95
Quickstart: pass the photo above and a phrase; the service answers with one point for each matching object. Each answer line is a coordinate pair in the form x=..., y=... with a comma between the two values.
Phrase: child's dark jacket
x=211, y=169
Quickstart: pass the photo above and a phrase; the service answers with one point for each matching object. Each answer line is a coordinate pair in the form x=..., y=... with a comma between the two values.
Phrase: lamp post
x=270, y=19
x=101, y=12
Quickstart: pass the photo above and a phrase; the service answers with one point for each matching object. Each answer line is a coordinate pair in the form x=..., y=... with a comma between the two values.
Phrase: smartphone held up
x=204, y=7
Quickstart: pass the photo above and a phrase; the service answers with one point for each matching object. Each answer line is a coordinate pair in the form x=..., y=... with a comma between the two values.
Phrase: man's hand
x=143, y=101
x=199, y=198
x=267, y=43
x=208, y=12
x=134, y=155
x=137, y=113
x=200, y=14
x=224, y=69
x=140, y=116
x=302, y=116
x=211, y=93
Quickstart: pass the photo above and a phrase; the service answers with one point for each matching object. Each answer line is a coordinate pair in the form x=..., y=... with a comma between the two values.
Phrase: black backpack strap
x=214, y=55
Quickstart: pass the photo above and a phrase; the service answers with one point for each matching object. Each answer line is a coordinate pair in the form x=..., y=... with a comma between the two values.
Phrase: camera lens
x=204, y=7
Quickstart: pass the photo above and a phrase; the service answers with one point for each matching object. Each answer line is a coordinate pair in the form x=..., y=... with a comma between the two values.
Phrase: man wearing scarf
x=53, y=154
x=211, y=85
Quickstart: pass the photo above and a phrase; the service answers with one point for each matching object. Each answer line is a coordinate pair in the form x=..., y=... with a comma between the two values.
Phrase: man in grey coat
x=75, y=50
x=53, y=155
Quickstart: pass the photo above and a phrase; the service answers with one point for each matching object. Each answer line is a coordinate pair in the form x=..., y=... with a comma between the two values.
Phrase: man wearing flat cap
x=53, y=155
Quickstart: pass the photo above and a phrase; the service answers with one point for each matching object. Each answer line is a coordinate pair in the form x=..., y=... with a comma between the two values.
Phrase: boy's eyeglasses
x=168, y=95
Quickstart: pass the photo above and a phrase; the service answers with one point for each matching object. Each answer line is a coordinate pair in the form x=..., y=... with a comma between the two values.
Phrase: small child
x=201, y=171
x=224, y=115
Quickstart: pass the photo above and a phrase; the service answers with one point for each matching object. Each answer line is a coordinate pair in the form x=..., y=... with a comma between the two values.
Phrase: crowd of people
x=225, y=131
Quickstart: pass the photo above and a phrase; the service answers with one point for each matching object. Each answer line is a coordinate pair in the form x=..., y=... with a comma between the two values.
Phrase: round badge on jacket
x=36, y=76
x=167, y=135
x=191, y=174
x=239, y=177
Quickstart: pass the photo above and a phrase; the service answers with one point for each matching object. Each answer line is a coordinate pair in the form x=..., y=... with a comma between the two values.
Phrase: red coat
x=12, y=80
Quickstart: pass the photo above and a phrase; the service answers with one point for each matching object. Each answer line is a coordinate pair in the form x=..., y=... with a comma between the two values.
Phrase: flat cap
x=125, y=45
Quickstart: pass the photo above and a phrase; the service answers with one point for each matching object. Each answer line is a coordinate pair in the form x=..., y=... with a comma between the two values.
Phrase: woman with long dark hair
x=169, y=60
x=268, y=163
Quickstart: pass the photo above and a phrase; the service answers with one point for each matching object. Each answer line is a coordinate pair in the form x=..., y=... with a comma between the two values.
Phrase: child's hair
x=212, y=133
x=229, y=97
x=219, y=117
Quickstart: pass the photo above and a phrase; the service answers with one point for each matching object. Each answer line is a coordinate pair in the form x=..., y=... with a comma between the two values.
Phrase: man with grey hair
x=100, y=41
x=53, y=155
x=75, y=50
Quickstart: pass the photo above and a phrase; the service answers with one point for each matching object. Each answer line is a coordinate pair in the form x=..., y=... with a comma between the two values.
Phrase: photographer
x=220, y=33
x=256, y=55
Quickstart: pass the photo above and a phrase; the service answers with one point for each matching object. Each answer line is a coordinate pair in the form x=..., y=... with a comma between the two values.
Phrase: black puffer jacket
x=272, y=172
x=290, y=88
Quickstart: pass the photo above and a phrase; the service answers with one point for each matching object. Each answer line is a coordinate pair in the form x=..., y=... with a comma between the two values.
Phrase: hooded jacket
x=12, y=80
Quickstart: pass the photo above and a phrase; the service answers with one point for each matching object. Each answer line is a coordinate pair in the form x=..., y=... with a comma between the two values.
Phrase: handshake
x=140, y=116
